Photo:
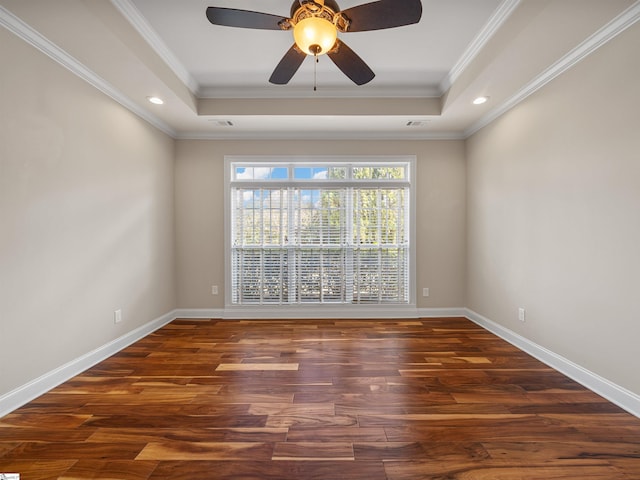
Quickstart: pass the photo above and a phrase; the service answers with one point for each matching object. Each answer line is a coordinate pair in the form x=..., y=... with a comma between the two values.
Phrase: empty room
x=319, y=239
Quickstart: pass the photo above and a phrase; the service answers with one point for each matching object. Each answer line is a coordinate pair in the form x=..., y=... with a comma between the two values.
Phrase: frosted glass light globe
x=314, y=35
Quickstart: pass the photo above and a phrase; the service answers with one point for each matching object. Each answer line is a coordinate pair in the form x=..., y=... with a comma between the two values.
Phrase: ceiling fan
x=315, y=25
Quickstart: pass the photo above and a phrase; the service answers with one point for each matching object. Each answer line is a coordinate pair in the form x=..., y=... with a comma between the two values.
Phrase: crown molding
x=274, y=91
x=19, y=28
x=342, y=135
x=137, y=20
x=601, y=37
x=616, y=26
x=501, y=14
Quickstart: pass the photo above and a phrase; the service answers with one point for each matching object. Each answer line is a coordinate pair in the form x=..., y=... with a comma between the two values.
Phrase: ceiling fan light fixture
x=315, y=35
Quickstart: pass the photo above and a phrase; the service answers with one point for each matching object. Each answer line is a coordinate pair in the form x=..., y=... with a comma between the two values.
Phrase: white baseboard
x=32, y=390
x=323, y=311
x=312, y=311
x=442, y=312
x=616, y=394
x=199, y=313
x=620, y=396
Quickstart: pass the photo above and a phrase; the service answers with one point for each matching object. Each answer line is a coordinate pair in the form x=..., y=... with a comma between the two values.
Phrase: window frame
x=317, y=161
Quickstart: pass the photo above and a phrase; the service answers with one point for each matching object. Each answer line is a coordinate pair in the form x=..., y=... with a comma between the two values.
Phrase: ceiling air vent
x=222, y=123
x=417, y=123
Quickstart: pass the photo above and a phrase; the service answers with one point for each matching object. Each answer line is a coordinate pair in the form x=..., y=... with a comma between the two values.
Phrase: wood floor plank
x=176, y=421
x=288, y=409
x=311, y=420
x=198, y=406
x=256, y=366
x=480, y=471
x=36, y=469
x=478, y=428
x=43, y=420
x=44, y=434
x=135, y=435
x=326, y=451
x=327, y=399
x=272, y=470
x=206, y=451
x=387, y=451
x=74, y=450
x=110, y=469
x=337, y=433
x=552, y=451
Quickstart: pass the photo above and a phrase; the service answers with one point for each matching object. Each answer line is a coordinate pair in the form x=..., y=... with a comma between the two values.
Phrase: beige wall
x=554, y=214
x=86, y=217
x=440, y=212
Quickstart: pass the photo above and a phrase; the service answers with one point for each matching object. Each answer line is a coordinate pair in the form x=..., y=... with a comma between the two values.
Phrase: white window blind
x=321, y=233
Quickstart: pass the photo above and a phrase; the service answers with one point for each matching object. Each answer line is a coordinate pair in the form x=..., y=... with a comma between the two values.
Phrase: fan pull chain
x=315, y=72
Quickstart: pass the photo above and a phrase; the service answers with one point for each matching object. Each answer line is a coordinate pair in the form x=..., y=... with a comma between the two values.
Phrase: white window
x=320, y=231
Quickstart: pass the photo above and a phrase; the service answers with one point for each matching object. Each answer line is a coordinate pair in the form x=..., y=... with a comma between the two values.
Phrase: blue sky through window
x=308, y=173
x=282, y=173
x=262, y=173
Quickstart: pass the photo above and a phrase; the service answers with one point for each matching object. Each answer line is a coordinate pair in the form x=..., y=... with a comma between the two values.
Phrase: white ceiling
x=211, y=75
x=224, y=60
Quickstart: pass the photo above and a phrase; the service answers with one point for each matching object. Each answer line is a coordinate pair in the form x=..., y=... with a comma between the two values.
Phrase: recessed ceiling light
x=155, y=100
x=480, y=100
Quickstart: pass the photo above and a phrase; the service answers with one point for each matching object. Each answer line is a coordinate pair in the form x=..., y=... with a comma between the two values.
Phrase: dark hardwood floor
x=323, y=399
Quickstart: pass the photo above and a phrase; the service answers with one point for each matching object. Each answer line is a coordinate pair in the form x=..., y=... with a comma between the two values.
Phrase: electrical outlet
x=117, y=316
x=425, y=292
x=214, y=289
x=521, y=314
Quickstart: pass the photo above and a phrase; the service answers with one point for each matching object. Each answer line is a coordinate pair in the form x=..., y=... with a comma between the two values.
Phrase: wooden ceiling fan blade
x=232, y=17
x=383, y=14
x=351, y=64
x=288, y=66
